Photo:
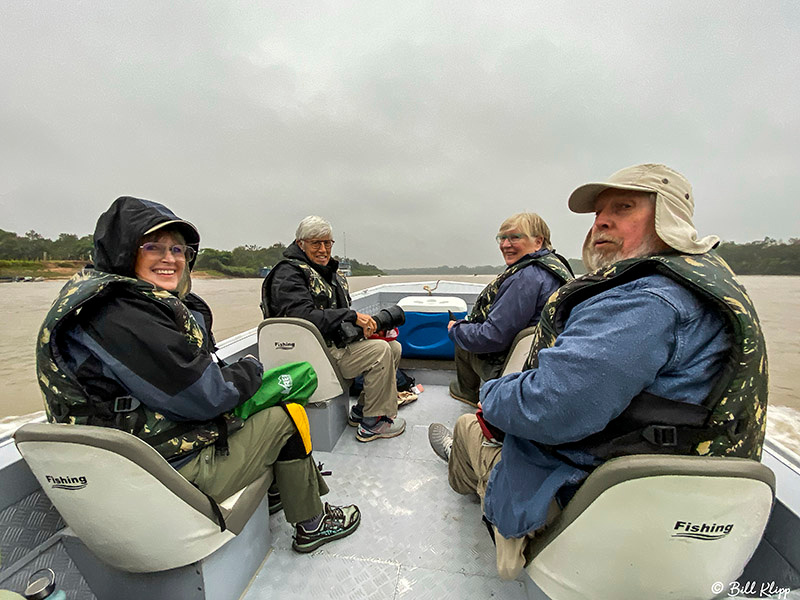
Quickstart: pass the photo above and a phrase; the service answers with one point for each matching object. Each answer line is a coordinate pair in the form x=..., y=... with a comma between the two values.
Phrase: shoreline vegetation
x=34, y=257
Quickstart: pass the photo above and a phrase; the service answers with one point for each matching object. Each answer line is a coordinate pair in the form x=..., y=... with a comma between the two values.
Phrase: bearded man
x=659, y=350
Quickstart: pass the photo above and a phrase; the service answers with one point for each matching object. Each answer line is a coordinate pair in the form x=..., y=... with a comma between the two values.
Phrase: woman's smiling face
x=162, y=269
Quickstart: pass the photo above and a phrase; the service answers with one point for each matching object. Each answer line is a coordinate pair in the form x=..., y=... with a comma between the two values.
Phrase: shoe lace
x=336, y=513
x=447, y=444
x=335, y=517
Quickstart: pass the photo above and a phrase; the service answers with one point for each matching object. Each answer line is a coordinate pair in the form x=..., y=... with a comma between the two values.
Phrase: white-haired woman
x=306, y=284
x=509, y=304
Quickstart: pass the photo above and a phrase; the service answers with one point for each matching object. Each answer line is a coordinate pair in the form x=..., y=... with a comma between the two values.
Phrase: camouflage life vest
x=322, y=292
x=66, y=400
x=483, y=304
x=731, y=421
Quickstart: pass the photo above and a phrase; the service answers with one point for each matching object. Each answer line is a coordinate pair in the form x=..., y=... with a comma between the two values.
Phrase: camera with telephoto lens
x=385, y=319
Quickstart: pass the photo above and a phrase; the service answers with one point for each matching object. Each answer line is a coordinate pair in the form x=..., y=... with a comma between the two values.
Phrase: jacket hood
x=119, y=230
x=294, y=251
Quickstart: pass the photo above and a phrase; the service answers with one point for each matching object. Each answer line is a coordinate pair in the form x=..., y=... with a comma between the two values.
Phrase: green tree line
x=764, y=257
x=33, y=246
x=249, y=260
x=242, y=261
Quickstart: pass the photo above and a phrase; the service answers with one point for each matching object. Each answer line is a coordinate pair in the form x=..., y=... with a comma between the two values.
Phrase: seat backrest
x=283, y=340
x=655, y=527
x=127, y=504
x=520, y=348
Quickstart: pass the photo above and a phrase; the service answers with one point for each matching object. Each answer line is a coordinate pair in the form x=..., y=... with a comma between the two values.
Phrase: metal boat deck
x=418, y=539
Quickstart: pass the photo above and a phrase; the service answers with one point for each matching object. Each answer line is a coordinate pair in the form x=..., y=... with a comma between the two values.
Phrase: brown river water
x=235, y=306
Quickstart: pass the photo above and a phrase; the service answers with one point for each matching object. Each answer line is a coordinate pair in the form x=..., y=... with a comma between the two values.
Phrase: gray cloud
x=415, y=128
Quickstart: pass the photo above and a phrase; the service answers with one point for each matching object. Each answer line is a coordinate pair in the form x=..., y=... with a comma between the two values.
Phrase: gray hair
x=531, y=225
x=313, y=227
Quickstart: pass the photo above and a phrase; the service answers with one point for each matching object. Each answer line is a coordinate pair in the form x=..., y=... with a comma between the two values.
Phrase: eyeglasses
x=511, y=237
x=159, y=250
x=316, y=244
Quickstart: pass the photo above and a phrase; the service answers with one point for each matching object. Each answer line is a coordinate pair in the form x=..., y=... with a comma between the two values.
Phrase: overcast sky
x=416, y=128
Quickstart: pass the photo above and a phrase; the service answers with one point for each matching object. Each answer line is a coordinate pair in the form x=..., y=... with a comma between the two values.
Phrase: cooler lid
x=432, y=304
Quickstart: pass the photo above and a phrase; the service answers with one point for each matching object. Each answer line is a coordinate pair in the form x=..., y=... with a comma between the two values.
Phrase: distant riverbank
x=64, y=269
x=768, y=258
x=38, y=270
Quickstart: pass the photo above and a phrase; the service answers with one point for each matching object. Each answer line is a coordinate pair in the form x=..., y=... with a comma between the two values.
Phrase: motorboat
x=417, y=539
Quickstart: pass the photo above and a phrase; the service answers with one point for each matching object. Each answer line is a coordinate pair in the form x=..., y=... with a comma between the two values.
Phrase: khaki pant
x=470, y=465
x=471, y=371
x=254, y=450
x=377, y=360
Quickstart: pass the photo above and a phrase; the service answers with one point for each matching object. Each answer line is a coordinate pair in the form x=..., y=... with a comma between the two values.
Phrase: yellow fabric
x=300, y=418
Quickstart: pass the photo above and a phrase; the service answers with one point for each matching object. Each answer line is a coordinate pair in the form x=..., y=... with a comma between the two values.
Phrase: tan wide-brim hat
x=674, y=203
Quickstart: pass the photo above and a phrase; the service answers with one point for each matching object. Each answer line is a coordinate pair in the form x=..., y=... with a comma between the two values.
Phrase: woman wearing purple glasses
x=127, y=345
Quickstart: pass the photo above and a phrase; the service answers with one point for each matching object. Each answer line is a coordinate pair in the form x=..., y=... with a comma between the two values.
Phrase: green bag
x=292, y=382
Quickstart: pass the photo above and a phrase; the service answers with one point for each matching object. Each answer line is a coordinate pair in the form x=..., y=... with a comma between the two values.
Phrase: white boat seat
x=127, y=504
x=520, y=348
x=284, y=340
x=655, y=526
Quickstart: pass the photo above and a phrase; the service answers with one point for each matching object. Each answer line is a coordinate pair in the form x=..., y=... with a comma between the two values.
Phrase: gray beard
x=593, y=259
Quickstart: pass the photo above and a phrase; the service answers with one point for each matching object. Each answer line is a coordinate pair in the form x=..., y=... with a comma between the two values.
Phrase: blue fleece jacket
x=651, y=334
x=518, y=304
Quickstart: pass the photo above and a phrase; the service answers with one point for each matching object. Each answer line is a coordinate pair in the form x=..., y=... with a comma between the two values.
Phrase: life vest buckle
x=124, y=404
x=661, y=435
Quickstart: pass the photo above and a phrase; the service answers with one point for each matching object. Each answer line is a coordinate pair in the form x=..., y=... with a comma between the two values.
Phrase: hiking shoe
x=441, y=440
x=337, y=522
x=274, y=502
x=404, y=398
x=355, y=416
x=456, y=393
x=384, y=428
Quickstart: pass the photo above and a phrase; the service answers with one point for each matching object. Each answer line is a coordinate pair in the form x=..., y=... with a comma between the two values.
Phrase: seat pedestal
x=328, y=420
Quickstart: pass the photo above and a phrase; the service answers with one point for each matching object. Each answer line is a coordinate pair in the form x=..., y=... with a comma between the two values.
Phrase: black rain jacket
x=125, y=344
x=288, y=294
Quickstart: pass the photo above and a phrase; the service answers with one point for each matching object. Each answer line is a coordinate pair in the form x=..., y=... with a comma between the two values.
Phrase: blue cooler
x=424, y=334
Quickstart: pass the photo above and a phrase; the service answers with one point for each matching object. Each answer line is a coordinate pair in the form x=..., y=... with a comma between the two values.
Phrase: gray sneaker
x=337, y=522
x=441, y=440
x=384, y=428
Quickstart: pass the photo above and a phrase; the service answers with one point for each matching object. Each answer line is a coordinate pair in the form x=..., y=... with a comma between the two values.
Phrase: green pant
x=254, y=450
x=471, y=371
